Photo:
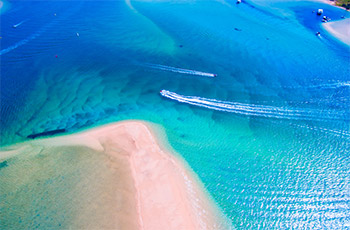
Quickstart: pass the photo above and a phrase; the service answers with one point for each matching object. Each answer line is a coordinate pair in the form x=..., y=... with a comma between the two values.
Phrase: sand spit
x=339, y=29
x=160, y=192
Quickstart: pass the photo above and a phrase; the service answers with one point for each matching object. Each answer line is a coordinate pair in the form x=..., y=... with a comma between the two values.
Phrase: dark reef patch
x=3, y=164
x=46, y=133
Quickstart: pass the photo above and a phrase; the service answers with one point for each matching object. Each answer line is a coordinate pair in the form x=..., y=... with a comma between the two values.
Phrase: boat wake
x=179, y=70
x=26, y=40
x=20, y=43
x=33, y=36
x=325, y=86
x=18, y=24
x=332, y=85
x=338, y=133
x=256, y=110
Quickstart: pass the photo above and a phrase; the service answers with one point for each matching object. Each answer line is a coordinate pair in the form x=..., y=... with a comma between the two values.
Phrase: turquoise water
x=268, y=136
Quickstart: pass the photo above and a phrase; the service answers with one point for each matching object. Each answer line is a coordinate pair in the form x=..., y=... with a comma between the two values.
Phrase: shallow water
x=279, y=171
x=61, y=188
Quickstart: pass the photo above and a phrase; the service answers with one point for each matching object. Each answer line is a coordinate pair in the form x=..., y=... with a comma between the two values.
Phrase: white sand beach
x=158, y=191
x=339, y=29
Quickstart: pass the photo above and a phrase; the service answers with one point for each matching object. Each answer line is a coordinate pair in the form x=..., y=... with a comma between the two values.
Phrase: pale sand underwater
x=262, y=171
x=147, y=188
x=339, y=29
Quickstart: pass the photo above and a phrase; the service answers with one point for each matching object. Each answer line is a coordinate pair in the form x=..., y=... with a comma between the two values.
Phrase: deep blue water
x=269, y=136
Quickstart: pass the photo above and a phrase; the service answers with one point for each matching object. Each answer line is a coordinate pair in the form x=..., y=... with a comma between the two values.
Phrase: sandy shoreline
x=339, y=29
x=166, y=195
x=333, y=3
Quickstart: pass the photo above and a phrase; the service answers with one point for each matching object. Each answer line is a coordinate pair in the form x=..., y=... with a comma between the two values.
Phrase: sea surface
x=248, y=95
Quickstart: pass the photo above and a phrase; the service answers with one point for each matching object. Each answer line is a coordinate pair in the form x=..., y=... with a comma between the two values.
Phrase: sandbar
x=166, y=194
x=339, y=29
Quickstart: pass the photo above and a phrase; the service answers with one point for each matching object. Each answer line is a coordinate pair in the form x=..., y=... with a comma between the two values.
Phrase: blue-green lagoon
x=253, y=100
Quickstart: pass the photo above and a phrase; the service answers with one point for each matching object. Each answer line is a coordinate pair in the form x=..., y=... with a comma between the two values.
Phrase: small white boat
x=18, y=24
x=239, y=1
x=319, y=11
x=326, y=19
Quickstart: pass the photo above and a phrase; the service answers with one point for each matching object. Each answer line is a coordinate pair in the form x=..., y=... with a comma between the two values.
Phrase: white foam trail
x=254, y=110
x=332, y=85
x=31, y=37
x=20, y=43
x=18, y=24
x=339, y=133
x=24, y=41
x=340, y=84
x=179, y=70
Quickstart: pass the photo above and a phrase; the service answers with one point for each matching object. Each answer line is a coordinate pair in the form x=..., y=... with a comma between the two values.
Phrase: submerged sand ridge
x=156, y=190
x=339, y=29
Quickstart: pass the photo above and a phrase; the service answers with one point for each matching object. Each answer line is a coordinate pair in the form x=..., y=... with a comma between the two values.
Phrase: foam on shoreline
x=166, y=194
